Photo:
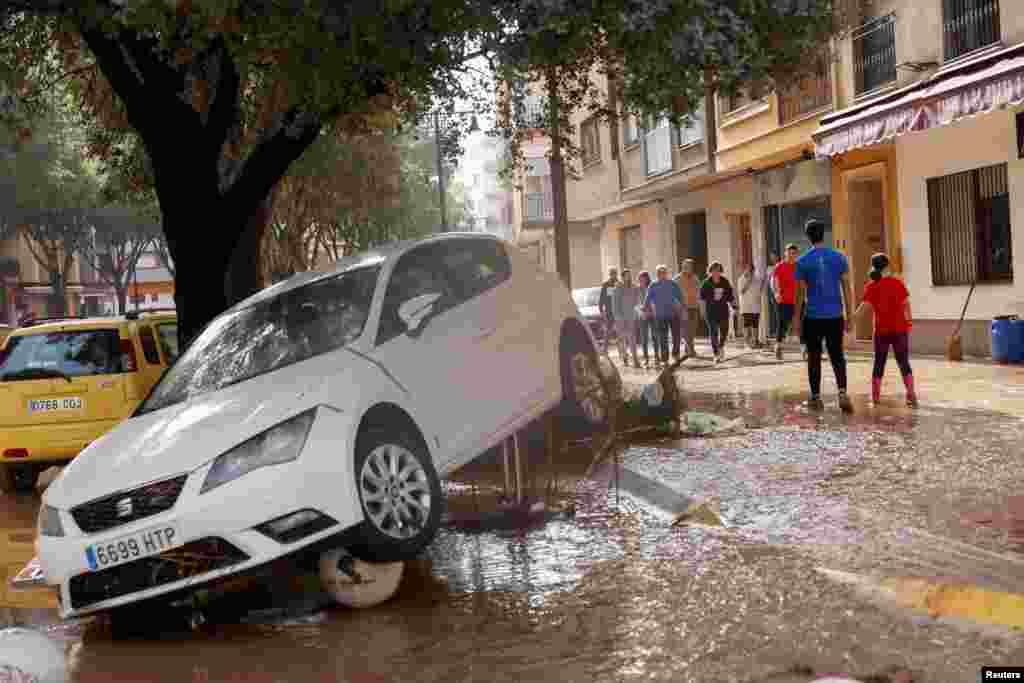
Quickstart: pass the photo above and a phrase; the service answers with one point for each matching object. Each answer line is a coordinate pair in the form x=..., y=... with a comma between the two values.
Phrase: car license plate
x=132, y=546
x=49, y=405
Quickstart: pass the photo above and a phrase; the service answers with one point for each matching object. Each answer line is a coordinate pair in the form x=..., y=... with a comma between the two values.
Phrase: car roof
x=382, y=254
x=91, y=323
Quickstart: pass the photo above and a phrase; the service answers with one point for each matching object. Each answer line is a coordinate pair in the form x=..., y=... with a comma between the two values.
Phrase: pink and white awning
x=941, y=100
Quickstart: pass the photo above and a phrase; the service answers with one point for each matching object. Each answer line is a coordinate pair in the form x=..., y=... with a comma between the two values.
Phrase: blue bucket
x=1001, y=338
x=1016, y=352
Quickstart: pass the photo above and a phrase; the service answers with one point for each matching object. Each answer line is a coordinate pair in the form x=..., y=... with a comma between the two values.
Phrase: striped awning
x=993, y=82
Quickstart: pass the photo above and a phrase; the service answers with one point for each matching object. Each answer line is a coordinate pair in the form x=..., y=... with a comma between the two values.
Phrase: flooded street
x=815, y=510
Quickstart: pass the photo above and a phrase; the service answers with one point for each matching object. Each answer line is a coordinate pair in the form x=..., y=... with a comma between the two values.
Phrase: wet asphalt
x=607, y=588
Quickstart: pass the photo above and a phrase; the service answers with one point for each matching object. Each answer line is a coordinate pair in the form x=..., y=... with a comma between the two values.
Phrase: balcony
x=874, y=54
x=539, y=207
x=969, y=25
x=808, y=94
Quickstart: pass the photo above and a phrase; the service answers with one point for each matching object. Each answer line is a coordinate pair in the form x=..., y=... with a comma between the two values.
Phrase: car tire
x=387, y=496
x=18, y=478
x=354, y=583
x=586, y=394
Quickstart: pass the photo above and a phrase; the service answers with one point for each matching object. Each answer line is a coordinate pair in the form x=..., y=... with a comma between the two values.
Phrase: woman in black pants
x=644, y=328
x=718, y=298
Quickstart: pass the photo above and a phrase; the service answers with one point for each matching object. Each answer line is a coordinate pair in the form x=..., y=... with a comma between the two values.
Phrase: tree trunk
x=122, y=298
x=558, y=198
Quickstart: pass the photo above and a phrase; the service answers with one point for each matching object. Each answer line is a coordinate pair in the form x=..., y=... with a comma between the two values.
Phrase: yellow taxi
x=65, y=382
x=5, y=330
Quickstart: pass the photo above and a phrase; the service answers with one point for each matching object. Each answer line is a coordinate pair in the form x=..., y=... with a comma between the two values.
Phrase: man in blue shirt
x=664, y=299
x=823, y=281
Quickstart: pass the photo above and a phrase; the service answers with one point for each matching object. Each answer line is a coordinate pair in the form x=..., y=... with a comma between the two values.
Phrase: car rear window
x=149, y=349
x=167, y=333
x=78, y=353
x=587, y=297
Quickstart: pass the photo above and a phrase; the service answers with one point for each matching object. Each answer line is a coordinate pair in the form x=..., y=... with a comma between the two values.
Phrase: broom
x=954, y=352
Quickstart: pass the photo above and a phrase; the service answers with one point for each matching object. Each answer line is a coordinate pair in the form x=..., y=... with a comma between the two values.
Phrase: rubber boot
x=876, y=389
x=908, y=382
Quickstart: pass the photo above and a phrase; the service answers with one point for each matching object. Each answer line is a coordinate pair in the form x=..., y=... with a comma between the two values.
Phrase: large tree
x=223, y=96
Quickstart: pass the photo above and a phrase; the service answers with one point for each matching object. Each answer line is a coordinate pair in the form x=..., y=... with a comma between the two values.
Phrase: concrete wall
x=973, y=143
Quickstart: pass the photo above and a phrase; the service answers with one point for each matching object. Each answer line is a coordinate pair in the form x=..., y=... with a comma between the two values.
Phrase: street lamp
x=442, y=199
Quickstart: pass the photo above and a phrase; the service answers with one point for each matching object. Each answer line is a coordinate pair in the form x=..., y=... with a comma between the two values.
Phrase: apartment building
x=908, y=139
x=926, y=157
x=25, y=285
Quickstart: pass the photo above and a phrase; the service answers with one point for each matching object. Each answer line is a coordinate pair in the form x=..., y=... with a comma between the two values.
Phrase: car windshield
x=268, y=335
x=65, y=354
x=587, y=297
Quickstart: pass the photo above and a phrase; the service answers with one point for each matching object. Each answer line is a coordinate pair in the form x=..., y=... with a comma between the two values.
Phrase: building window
x=874, y=54
x=590, y=141
x=755, y=92
x=153, y=298
x=630, y=131
x=658, y=147
x=807, y=94
x=969, y=223
x=968, y=25
x=531, y=111
x=691, y=130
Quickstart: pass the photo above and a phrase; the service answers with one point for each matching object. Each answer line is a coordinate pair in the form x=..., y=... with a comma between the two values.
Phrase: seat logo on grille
x=124, y=508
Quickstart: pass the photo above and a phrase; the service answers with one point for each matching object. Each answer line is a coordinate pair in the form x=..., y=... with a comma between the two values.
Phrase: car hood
x=185, y=436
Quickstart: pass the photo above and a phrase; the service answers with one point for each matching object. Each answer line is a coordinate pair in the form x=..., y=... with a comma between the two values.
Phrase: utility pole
x=440, y=172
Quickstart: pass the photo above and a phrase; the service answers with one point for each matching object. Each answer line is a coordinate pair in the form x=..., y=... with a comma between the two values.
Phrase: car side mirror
x=415, y=312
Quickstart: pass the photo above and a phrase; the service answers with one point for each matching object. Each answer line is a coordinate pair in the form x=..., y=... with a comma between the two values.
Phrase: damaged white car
x=319, y=414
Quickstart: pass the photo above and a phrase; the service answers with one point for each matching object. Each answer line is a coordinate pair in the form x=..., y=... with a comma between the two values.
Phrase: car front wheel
x=586, y=404
x=400, y=494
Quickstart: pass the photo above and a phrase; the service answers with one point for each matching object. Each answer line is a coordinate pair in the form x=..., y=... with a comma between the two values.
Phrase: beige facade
x=944, y=196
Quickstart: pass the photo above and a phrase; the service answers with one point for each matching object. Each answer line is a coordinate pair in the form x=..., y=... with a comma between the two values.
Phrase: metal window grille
x=969, y=224
x=969, y=25
x=874, y=54
x=590, y=141
x=808, y=94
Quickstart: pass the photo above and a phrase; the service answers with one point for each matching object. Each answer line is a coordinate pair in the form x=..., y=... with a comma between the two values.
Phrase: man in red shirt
x=784, y=286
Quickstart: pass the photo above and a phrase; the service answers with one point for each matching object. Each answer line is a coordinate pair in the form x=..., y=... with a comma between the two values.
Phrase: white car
x=319, y=413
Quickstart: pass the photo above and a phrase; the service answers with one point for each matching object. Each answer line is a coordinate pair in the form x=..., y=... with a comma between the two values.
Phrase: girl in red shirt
x=890, y=301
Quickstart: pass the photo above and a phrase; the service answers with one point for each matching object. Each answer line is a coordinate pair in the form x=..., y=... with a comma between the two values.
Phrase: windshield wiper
x=35, y=373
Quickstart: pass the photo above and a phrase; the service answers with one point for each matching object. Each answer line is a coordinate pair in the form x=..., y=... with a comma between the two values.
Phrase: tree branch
x=270, y=160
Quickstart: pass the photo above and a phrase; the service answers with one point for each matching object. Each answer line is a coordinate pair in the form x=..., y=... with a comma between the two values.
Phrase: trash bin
x=1016, y=341
x=1001, y=338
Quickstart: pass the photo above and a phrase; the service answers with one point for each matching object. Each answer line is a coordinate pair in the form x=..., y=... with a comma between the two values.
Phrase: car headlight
x=279, y=444
x=49, y=522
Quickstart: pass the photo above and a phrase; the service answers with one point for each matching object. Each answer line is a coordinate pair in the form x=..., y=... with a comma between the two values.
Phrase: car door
x=506, y=320
x=433, y=363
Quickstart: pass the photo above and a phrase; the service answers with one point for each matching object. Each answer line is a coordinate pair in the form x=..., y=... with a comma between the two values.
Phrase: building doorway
x=866, y=192
x=692, y=240
x=631, y=249
x=692, y=243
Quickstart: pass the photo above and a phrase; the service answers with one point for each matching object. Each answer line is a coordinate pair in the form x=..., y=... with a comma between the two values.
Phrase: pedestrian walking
x=887, y=297
x=719, y=299
x=645, y=319
x=751, y=285
x=689, y=285
x=604, y=305
x=773, y=305
x=625, y=299
x=784, y=286
x=664, y=299
x=822, y=276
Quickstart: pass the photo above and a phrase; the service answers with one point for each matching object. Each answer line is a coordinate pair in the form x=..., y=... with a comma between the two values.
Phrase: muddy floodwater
x=608, y=589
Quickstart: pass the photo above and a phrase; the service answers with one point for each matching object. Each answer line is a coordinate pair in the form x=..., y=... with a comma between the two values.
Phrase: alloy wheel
x=396, y=491
x=588, y=387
